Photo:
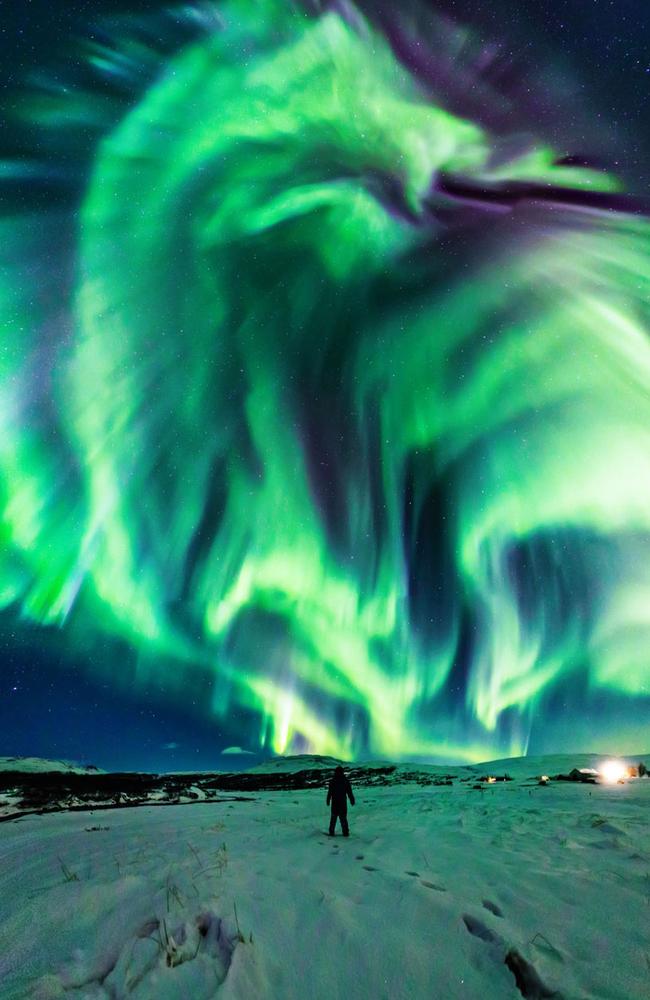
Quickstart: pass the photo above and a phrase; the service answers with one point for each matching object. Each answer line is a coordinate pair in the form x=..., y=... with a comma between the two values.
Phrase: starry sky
x=326, y=382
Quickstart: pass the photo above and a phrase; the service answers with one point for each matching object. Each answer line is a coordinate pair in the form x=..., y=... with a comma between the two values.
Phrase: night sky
x=299, y=450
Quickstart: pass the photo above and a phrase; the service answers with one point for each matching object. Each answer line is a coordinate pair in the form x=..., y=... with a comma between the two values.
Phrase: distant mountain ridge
x=298, y=762
x=516, y=766
x=292, y=764
x=37, y=765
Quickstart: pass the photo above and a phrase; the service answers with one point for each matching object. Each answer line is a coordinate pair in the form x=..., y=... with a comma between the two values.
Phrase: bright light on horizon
x=612, y=771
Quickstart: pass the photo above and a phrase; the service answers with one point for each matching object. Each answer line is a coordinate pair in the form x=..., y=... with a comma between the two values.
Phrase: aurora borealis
x=325, y=382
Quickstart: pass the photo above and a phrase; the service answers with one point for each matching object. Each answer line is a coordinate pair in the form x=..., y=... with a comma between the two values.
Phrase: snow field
x=431, y=892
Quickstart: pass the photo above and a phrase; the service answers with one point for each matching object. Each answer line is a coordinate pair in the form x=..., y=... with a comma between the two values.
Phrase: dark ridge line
x=103, y=807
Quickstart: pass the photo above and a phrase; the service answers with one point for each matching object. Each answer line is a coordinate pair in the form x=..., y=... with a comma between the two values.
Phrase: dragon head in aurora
x=325, y=383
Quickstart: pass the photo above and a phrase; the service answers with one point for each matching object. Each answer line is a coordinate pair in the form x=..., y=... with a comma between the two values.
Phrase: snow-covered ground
x=435, y=888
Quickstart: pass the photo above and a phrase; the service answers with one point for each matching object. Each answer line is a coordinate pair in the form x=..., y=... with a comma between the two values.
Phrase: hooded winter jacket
x=339, y=789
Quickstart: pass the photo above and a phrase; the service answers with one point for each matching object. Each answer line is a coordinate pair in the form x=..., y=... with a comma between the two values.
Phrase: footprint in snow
x=527, y=980
x=159, y=948
x=478, y=929
x=493, y=908
x=432, y=885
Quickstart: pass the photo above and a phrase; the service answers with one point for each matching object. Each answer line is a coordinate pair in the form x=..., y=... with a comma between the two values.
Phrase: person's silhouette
x=338, y=793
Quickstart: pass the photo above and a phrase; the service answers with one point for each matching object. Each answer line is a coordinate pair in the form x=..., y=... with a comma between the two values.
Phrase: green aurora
x=373, y=457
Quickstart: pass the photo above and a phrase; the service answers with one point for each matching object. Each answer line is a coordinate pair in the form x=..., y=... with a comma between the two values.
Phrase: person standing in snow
x=339, y=791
